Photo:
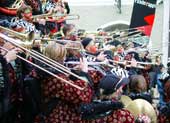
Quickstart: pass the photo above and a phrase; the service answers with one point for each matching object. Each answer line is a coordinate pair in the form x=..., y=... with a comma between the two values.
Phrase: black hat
x=110, y=83
x=86, y=41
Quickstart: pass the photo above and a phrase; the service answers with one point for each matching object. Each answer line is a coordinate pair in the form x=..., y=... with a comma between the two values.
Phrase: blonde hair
x=55, y=51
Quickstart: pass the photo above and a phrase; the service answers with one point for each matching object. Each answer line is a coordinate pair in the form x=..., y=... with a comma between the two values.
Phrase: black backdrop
x=141, y=11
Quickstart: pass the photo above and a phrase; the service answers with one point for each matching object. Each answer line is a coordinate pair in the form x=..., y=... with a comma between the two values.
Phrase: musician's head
x=5, y=45
x=56, y=52
x=168, y=65
x=120, y=49
x=25, y=12
x=137, y=84
x=158, y=59
x=55, y=1
x=73, y=49
x=89, y=45
x=167, y=89
x=69, y=31
x=112, y=86
x=2, y=41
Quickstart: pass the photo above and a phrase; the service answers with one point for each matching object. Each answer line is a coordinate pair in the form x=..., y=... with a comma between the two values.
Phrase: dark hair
x=168, y=71
x=137, y=81
x=168, y=64
x=67, y=27
x=22, y=9
x=139, y=121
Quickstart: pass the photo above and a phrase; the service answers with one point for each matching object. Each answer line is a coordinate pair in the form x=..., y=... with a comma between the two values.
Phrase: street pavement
x=92, y=17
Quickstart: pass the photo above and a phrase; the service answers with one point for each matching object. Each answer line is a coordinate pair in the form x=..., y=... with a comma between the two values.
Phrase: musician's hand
x=133, y=63
x=83, y=65
x=57, y=9
x=101, y=56
x=41, y=21
x=8, y=46
x=11, y=55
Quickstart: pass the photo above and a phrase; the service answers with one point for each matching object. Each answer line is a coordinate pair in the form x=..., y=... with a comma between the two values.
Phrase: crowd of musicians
x=51, y=72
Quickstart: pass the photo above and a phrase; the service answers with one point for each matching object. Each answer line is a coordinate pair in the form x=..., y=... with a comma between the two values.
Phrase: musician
x=17, y=87
x=11, y=76
x=91, y=49
x=36, y=6
x=69, y=102
x=66, y=98
x=67, y=32
x=6, y=14
x=168, y=65
x=164, y=109
x=138, y=88
x=25, y=23
x=60, y=7
x=160, y=73
x=111, y=88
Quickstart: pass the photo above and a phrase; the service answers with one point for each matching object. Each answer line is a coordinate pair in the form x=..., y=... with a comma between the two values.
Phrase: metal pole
x=165, y=38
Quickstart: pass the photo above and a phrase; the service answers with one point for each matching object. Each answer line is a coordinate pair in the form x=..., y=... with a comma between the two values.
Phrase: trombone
x=71, y=17
x=57, y=17
x=26, y=37
x=47, y=61
x=69, y=44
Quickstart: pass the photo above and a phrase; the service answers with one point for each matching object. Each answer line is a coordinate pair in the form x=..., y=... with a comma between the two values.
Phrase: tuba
x=142, y=107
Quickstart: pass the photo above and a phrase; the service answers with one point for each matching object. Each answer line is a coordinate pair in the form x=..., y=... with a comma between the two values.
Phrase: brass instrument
x=42, y=16
x=17, y=4
x=76, y=45
x=57, y=17
x=125, y=100
x=110, y=35
x=24, y=37
x=72, y=17
x=107, y=63
x=142, y=107
x=47, y=61
x=67, y=17
x=123, y=30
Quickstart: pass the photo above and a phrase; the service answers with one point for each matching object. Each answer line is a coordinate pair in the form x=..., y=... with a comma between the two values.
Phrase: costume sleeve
x=54, y=87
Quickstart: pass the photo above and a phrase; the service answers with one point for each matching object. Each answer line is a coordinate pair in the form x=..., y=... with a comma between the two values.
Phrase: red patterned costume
x=66, y=110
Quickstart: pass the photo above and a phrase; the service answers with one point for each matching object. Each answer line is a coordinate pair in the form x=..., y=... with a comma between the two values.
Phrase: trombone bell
x=26, y=37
